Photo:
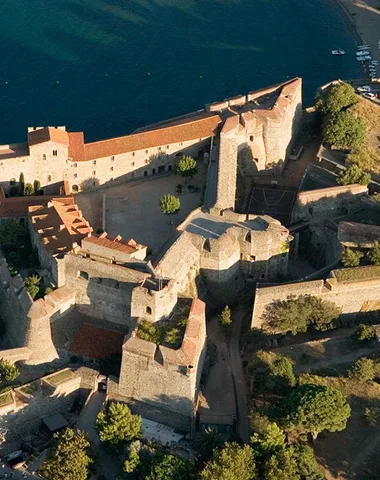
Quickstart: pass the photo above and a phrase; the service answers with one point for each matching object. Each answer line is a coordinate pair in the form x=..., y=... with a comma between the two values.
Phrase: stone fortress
x=215, y=251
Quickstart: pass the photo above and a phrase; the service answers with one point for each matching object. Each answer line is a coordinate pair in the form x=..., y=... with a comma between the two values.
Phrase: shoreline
x=363, y=17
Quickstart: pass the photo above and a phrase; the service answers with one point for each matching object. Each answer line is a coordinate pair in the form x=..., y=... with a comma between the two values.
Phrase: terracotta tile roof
x=60, y=225
x=14, y=207
x=113, y=243
x=94, y=342
x=48, y=134
x=202, y=128
x=76, y=146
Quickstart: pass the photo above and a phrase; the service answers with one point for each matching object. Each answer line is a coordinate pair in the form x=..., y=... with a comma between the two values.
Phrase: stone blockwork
x=354, y=290
x=326, y=202
x=164, y=377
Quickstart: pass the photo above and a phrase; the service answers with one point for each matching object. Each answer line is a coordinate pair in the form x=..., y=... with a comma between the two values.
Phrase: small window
x=112, y=158
x=146, y=161
x=252, y=258
x=75, y=165
x=181, y=144
x=146, y=151
x=159, y=149
x=133, y=164
x=94, y=173
x=94, y=162
x=167, y=147
x=55, y=153
x=169, y=168
x=251, y=138
x=133, y=154
x=44, y=156
x=75, y=175
x=83, y=275
x=148, y=310
x=111, y=169
x=310, y=210
x=145, y=173
x=132, y=174
x=49, y=178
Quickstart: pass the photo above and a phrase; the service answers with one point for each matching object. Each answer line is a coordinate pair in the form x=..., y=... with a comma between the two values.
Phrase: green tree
x=116, y=425
x=371, y=417
x=272, y=372
x=230, y=463
x=225, y=318
x=37, y=186
x=69, y=458
x=306, y=463
x=354, y=174
x=374, y=254
x=362, y=370
x=8, y=371
x=282, y=466
x=206, y=443
x=171, y=467
x=269, y=442
x=343, y=130
x=335, y=99
x=314, y=408
x=132, y=462
x=365, y=333
x=169, y=205
x=351, y=258
x=363, y=158
x=295, y=315
x=22, y=183
x=29, y=190
x=186, y=166
x=31, y=284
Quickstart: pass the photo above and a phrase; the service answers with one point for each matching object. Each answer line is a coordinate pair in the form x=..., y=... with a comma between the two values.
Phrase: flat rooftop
x=209, y=226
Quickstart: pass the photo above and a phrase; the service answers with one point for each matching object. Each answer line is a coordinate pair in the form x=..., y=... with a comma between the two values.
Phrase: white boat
x=338, y=51
x=362, y=52
x=364, y=47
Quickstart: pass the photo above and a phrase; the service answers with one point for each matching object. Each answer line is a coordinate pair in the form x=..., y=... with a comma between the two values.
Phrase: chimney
x=118, y=238
x=103, y=235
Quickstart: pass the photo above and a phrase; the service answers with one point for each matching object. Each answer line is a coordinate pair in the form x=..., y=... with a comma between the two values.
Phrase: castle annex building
x=261, y=123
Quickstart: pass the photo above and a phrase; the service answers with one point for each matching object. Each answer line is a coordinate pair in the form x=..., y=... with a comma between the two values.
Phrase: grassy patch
x=60, y=377
x=30, y=388
x=357, y=273
x=5, y=399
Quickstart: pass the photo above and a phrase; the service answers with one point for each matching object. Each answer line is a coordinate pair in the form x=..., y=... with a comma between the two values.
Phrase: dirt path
x=238, y=376
x=365, y=453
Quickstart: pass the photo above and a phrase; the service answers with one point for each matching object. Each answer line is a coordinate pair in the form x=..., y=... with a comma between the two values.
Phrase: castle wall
x=352, y=297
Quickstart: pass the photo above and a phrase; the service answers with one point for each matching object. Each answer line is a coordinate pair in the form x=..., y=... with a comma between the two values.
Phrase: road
x=238, y=376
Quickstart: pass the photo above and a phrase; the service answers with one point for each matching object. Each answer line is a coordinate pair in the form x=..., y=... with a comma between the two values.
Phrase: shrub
x=374, y=254
x=365, y=333
x=29, y=190
x=225, y=317
x=8, y=371
x=343, y=130
x=272, y=372
x=351, y=258
x=370, y=415
x=31, y=284
x=363, y=158
x=339, y=96
x=354, y=174
x=362, y=370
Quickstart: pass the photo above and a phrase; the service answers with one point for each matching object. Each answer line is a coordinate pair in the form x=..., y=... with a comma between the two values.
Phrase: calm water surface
x=110, y=66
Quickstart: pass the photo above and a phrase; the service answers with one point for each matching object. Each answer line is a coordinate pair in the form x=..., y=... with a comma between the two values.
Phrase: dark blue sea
x=110, y=66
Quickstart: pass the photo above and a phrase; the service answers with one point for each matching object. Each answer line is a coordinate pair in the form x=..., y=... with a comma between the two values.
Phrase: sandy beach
x=365, y=18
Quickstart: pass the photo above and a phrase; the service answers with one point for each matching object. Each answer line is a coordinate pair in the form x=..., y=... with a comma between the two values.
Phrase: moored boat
x=338, y=51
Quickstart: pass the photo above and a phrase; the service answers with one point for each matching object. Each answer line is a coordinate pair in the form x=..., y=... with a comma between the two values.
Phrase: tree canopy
x=272, y=372
x=314, y=408
x=186, y=166
x=335, y=99
x=171, y=467
x=32, y=285
x=69, y=458
x=8, y=371
x=231, y=462
x=351, y=258
x=343, y=130
x=374, y=254
x=169, y=204
x=206, y=443
x=117, y=425
x=295, y=315
x=225, y=316
x=365, y=333
x=354, y=174
x=362, y=370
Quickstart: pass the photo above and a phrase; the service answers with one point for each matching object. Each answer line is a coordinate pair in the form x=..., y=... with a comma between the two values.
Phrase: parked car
x=370, y=96
x=364, y=89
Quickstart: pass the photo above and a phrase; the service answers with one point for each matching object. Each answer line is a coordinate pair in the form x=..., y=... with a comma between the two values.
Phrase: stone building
x=165, y=378
x=261, y=124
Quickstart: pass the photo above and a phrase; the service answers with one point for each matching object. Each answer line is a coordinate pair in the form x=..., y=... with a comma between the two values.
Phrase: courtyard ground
x=132, y=208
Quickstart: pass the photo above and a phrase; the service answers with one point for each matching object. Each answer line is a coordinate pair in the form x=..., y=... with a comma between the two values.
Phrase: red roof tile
x=94, y=342
x=201, y=128
x=14, y=207
x=48, y=134
x=76, y=146
x=114, y=244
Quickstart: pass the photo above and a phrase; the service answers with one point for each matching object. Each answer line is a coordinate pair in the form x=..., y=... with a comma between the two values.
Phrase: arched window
x=75, y=188
x=148, y=310
x=44, y=156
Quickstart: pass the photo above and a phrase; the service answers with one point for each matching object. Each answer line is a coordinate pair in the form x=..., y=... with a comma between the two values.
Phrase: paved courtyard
x=274, y=202
x=132, y=209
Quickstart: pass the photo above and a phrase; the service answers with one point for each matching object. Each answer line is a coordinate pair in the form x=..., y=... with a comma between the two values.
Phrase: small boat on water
x=363, y=59
x=363, y=47
x=362, y=52
x=338, y=51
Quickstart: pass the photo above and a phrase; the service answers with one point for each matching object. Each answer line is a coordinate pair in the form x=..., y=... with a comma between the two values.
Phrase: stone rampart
x=351, y=296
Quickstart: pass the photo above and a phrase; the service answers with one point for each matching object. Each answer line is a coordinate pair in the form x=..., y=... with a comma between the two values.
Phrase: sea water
x=108, y=67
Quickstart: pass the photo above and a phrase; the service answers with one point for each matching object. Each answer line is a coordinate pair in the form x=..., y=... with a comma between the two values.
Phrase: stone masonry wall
x=351, y=296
